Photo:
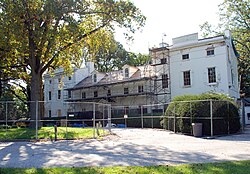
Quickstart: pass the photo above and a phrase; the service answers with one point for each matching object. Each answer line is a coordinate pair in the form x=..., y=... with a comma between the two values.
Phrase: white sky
x=173, y=17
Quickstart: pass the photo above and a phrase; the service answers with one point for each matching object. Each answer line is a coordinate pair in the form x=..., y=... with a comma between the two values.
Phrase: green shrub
x=188, y=109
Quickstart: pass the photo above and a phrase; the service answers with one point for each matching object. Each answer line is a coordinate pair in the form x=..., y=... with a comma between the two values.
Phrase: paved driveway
x=128, y=147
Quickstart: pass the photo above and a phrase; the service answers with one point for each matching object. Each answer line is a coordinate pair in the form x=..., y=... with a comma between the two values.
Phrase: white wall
x=198, y=63
x=56, y=104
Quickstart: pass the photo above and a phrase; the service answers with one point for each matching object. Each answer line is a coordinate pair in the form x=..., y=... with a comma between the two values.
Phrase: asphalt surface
x=129, y=147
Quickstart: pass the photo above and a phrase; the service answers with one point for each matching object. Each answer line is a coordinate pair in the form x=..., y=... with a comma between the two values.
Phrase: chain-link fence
x=144, y=116
x=65, y=120
x=53, y=120
x=216, y=117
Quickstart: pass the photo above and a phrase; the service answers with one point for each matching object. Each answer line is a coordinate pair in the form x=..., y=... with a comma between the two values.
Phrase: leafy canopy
x=41, y=34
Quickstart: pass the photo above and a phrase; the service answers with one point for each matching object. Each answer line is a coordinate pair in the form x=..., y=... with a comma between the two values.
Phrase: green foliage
x=239, y=167
x=110, y=54
x=39, y=35
x=188, y=109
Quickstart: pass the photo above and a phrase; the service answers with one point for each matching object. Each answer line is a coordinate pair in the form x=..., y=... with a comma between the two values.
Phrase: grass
x=47, y=133
x=237, y=167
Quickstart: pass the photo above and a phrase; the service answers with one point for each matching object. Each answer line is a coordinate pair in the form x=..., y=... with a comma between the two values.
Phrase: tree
x=138, y=59
x=52, y=33
x=234, y=15
x=110, y=54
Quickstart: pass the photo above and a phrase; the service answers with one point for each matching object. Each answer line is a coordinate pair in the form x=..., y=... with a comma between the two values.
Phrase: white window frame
x=164, y=81
x=210, y=51
x=59, y=94
x=83, y=95
x=185, y=78
x=126, y=90
x=185, y=57
x=95, y=94
x=140, y=89
x=69, y=94
x=50, y=95
x=212, y=76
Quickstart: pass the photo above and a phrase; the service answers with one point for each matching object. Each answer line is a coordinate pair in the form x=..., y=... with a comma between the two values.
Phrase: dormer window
x=127, y=73
x=94, y=78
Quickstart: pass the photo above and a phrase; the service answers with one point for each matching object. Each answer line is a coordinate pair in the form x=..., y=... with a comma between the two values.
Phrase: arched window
x=126, y=72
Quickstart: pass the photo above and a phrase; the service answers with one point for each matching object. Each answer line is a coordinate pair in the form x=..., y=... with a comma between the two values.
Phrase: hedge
x=187, y=109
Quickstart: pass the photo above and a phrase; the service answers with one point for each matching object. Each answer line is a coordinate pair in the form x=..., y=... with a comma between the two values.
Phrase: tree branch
x=69, y=45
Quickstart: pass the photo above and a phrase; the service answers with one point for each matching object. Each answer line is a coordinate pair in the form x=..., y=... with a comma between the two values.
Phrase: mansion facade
x=189, y=66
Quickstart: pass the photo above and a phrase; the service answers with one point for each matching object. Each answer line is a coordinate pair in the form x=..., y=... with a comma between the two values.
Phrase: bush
x=188, y=109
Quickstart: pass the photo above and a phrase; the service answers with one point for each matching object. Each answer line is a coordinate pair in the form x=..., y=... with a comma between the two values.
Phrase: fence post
x=142, y=116
x=228, y=126
x=211, y=117
x=191, y=118
x=174, y=119
x=109, y=117
x=6, y=118
x=66, y=126
x=93, y=120
x=36, y=120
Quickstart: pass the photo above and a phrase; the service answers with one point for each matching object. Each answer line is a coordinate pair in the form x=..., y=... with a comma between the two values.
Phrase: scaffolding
x=161, y=83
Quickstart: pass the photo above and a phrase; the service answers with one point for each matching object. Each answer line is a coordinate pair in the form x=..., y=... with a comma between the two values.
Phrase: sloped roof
x=114, y=77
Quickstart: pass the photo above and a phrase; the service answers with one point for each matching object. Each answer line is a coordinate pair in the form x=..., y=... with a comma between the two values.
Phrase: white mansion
x=189, y=66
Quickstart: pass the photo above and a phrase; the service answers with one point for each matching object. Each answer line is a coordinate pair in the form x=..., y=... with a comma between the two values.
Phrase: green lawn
x=47, y=133
x=240, y=167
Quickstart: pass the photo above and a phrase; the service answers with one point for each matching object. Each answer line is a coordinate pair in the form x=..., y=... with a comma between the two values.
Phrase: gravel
x=128, y=147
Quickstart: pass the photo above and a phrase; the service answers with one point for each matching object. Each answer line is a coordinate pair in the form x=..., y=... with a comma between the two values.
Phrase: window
x=248, y=116
x=69, y=94
x=49, y=113
x=59, y=94
x=126, y=72
x=163, y=61
x=50, y=81
x=83, y=94
x=59, y=80
x=211, y=75
x=140, y=89
x=126, y=91
x=59, y=113
x=185, y=56
x=70, y=77
x=109, y=93
x=95, y=93
x=164, y=81
x=210, y=52
x=94, y=78
x=49, y=95
x=186, y=78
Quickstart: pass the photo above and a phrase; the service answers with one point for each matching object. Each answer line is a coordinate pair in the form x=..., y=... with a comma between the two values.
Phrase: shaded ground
x=134, y=147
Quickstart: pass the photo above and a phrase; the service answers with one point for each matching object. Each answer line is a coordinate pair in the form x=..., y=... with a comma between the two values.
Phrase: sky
x=172, y=18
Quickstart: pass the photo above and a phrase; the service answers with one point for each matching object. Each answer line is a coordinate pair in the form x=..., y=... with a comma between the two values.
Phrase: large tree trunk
x=36, y=96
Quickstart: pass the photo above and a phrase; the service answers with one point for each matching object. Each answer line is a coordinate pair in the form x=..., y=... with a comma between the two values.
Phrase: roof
x=111, y=78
